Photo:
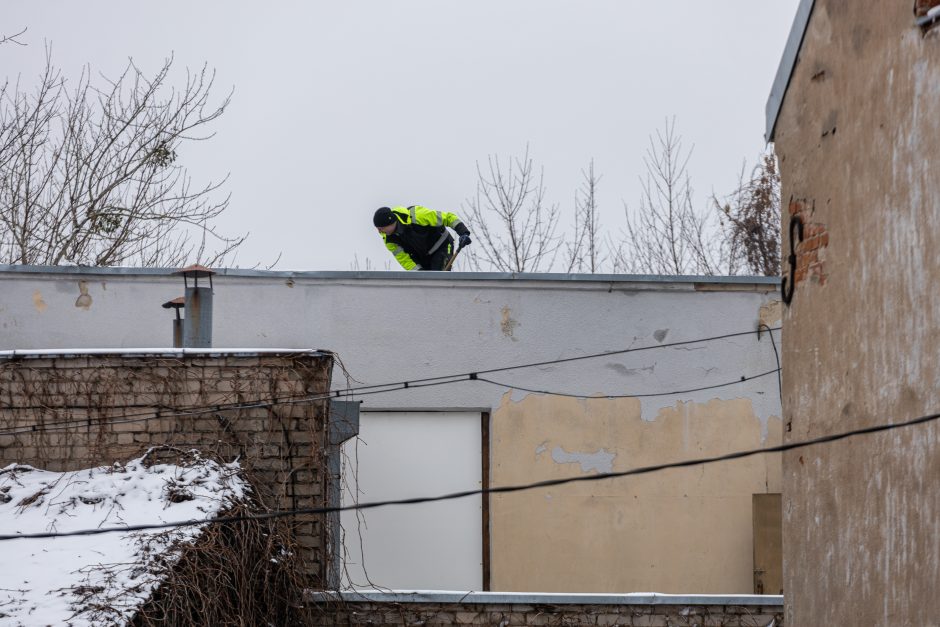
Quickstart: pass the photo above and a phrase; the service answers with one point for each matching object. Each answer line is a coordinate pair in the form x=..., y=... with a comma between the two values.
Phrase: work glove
x=465, y=240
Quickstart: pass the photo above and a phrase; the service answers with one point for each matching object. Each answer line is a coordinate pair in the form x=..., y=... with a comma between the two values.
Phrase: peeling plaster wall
x=683, y=531
x=680, y=530
x=858, y=138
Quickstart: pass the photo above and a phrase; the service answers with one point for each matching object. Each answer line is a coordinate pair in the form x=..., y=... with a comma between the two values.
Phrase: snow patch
x=91, y=580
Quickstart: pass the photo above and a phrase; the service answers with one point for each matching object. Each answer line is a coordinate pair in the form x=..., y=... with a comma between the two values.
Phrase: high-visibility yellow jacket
x=419, y=233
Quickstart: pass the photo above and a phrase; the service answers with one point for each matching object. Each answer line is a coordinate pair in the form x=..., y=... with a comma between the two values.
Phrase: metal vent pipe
x=176, y=304
x=197, y=325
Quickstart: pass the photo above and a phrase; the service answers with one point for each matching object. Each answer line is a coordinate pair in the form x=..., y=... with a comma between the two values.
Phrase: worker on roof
x=417, y=236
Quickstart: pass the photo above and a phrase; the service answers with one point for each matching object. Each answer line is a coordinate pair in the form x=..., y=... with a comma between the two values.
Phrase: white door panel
x=431, y=546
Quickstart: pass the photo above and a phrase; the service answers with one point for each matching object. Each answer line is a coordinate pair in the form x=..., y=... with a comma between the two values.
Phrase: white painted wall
x=398, y=326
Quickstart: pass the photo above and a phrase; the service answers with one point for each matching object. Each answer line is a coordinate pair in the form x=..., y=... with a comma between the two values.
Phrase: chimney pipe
x=176, y=304
x=197, y=325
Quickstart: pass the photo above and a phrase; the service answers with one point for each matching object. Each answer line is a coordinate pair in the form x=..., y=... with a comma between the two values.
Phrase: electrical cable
x=145, y=417
x=621, y=351
x=776, y=357
x=643, y=470
x=612, y=396
x=379, y=388
x=134, y=418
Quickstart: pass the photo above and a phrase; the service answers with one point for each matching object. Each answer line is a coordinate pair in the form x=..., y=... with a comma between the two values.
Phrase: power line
x=645, y=395
x=379, y=388
x=643, y=470
x=133, y=418
x=211, y=409
x=621, y=351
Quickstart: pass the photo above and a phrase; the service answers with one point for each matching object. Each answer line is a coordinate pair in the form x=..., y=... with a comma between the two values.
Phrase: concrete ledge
x=541, y=598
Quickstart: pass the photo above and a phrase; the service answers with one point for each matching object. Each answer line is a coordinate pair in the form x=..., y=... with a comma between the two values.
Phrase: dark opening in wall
x=922, y=6
x=927, y=13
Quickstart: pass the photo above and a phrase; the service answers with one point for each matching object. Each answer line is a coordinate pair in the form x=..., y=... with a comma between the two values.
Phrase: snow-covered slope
x=98, y=579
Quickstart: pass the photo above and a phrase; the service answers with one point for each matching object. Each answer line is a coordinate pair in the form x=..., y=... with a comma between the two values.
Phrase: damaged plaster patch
x=38, y=302
x=761, y=407
x=771, y=314
x=601, y=461
x=84, y=300
x=508, y=324
x=630, y=372
x=541, y=448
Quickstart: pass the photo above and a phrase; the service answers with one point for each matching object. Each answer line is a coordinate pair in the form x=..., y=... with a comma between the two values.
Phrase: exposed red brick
x=809, y=264
x=922, y=6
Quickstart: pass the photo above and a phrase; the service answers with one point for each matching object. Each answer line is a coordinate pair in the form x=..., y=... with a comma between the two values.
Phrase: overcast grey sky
x=341, y=107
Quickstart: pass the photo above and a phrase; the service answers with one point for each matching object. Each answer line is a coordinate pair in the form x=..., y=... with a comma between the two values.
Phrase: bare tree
x=667, y=235
x=585, y=252
x=91, y=175
x=750, y=219
x=512, y=224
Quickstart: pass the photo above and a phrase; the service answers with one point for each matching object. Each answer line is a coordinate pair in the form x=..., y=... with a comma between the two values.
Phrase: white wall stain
x=601, y=461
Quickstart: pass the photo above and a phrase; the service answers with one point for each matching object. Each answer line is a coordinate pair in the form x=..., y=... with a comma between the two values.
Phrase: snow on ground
x=67, y=581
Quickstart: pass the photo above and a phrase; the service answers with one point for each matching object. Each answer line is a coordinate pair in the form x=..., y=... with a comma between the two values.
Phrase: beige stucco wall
x=685, y=530
x=859, y=142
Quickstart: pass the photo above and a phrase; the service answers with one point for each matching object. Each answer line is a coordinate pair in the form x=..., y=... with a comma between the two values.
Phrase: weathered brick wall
x=811, y=251
x=66, y=412
x=567, y=615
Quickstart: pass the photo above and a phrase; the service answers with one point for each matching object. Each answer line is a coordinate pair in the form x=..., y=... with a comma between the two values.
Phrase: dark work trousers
x=442, y=255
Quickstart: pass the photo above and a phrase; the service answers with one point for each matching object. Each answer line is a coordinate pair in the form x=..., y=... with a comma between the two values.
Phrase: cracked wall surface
x=862, y=517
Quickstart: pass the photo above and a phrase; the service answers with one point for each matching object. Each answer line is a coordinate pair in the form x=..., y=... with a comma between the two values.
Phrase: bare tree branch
x=89, y=175
x=667, y=235
x=585, y=252
x=750, y=219
x=514, y=227
x=12, y=39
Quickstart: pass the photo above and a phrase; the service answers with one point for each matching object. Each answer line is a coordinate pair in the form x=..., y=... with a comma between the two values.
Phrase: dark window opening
x=927, y=13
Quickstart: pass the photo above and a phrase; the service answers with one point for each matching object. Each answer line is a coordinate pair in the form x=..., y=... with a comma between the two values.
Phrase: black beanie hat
x=383, y=217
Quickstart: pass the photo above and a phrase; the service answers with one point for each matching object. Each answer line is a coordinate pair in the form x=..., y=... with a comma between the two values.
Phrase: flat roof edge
x=540, y=598
x=787, y=64
x=417, y=276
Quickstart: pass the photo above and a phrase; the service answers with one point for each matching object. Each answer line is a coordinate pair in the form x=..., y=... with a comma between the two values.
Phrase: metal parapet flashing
x=787, y=64
x=453, y=277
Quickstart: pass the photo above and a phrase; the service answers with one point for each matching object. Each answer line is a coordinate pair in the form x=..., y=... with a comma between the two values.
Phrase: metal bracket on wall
x=787, y=294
